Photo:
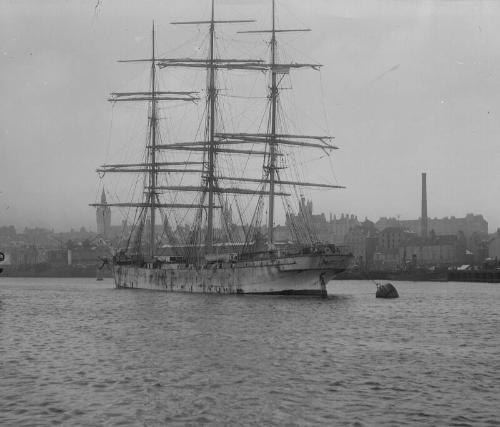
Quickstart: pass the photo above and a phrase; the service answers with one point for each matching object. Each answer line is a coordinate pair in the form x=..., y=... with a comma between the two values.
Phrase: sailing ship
x=209, y=253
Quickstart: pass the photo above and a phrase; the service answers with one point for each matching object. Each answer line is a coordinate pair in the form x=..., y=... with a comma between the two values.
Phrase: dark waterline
x=78, y=352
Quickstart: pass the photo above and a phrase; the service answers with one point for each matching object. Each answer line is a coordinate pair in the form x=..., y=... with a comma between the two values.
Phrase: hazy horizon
x=408, y=87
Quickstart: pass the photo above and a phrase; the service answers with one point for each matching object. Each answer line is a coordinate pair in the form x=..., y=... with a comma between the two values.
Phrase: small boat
x=386, y=291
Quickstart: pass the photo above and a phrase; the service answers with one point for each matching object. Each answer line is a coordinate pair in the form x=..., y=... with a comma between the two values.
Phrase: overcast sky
x=408, y=87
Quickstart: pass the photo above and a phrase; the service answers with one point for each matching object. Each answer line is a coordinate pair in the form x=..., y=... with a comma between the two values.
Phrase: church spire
x=103, y=216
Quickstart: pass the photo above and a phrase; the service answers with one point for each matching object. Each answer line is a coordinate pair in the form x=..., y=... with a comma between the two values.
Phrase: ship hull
x=305, y=275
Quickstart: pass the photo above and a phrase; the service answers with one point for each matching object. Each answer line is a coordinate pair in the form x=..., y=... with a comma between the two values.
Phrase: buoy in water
x=386, y=291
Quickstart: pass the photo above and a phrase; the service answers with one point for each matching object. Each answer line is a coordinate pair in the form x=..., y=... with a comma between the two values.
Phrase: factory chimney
x=423, y=219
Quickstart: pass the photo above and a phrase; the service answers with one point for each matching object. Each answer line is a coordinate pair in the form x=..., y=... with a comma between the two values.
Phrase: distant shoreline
x=55, y=272
x=485, y=276
x=412, y=276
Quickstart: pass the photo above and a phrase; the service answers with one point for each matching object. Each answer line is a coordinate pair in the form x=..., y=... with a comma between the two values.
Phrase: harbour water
x=79, y=352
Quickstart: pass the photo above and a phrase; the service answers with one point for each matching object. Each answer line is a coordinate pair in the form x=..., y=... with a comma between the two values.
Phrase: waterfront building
x=434, y=251
x=362, y=242
x=478, y=246
x=387, y=256
x=494, y=246
x=400, y=249
x=26, y=255
x=469, y=225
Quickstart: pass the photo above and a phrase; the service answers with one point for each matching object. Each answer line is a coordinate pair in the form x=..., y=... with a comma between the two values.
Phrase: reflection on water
x=78, y=352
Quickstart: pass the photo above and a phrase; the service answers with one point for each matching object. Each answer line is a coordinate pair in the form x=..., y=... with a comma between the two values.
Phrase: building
x=103, y=217
x=469, y=225
x=305, y=226
x=478, y=246
x=309, y=226
x=494, y=246
x=387, y=256
x=433, y=251
x=430, y=242
x=400, y=249
x=26, y=255
x=339, y=227
x=362, y=241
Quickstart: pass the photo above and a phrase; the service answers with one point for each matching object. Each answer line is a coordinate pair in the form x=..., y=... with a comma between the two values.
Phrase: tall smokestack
x=423, y=219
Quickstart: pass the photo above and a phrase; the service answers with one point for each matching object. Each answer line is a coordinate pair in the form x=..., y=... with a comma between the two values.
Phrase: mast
x=216, y=144
x=211, y=64
x=151, y=167
x=211, y=93
x=153, y=127
x=272, y=140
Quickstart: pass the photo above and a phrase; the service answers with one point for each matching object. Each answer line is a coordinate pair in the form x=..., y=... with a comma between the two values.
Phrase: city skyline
x=408, y=224
x=408, y=88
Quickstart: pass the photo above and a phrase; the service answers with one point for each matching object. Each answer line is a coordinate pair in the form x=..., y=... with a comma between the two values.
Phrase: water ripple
x=77, y=352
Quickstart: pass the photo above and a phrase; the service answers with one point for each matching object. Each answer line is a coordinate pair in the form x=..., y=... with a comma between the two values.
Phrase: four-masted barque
x=212, y=254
